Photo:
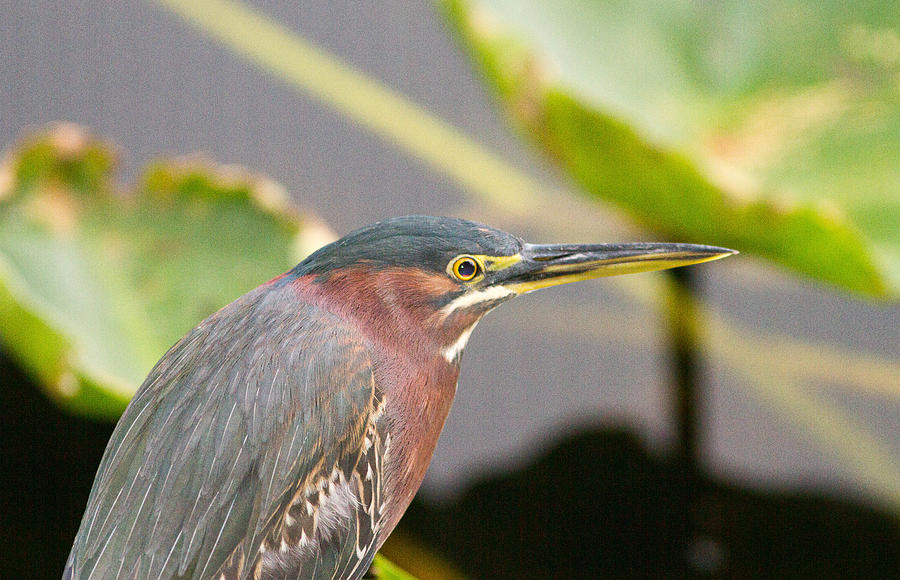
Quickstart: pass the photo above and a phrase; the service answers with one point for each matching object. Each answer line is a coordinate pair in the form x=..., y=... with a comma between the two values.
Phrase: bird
x=286, y=434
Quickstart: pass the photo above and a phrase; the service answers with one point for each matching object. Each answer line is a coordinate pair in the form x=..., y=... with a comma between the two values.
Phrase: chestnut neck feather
x=394, y=309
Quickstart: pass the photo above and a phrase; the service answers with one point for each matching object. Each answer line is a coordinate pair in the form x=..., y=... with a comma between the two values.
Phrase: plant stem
x=685, y=361
x=683, y=317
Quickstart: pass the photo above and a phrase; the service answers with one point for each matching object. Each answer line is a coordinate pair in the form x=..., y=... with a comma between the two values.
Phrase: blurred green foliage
x=386, y=570
x=96, y=283
x=771, y=127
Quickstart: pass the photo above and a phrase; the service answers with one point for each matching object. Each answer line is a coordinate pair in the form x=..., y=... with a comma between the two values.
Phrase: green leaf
x=96, y=284
x=770, y=127
x=386, y=570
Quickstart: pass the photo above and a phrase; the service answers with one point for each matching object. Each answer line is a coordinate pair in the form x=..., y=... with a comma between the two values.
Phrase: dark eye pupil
x=466, y=268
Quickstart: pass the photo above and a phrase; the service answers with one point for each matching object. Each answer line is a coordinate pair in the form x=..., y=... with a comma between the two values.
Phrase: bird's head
x=441, y=275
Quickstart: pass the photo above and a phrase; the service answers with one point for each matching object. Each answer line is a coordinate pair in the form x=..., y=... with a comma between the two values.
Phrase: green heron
x=286, y=434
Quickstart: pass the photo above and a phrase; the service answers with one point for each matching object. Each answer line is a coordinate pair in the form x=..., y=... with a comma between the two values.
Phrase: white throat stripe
x=453, y=351
x=475, y=297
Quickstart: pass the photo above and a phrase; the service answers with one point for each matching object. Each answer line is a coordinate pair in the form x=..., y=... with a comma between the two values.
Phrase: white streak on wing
x=108, y=513
x=212, y=549
x=111, y=466
x=134, y=525
x=146, y=406
x=212, y=501
x=453, y=351
x=172, y=549
x=165, y=424
x=100, y=555
x=272, y=477
x=206, y=481
x=473, y=297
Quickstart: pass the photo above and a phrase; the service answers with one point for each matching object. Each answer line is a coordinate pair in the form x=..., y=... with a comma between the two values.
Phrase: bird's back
x=262, y=457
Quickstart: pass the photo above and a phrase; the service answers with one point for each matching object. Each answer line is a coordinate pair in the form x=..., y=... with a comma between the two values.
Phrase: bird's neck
x=416, y=359
x=392, y=311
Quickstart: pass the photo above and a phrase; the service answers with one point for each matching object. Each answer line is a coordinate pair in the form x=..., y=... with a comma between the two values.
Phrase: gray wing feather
x=227, y=426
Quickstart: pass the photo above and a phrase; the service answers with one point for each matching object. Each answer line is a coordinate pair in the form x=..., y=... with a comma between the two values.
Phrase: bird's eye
x=465, y=268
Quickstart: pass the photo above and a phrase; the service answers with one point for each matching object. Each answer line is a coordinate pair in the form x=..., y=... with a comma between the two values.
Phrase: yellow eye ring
x=465, y=268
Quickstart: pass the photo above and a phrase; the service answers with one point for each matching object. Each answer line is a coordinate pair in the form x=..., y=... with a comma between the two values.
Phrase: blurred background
x=739, y=421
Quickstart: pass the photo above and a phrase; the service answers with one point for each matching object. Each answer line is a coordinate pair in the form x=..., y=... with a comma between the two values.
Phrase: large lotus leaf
x=772, y=127
x=96, y=284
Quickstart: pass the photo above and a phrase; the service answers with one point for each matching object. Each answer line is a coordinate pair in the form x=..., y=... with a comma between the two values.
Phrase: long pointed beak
x=544, y=265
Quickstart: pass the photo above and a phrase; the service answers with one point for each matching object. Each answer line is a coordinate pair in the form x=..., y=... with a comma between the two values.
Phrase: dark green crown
x=423, y=242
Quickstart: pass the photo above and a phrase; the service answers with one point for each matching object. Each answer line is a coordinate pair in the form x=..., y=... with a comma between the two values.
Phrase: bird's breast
x=416, y=406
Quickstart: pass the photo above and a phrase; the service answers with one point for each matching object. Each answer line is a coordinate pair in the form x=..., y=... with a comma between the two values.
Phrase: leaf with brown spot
x=97, y=283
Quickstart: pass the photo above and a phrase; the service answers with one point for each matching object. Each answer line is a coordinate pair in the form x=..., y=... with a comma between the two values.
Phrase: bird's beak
x=543, y=265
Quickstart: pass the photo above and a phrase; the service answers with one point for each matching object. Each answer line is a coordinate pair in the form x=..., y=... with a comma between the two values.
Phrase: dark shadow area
x=48, y=463
x=598, y=505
